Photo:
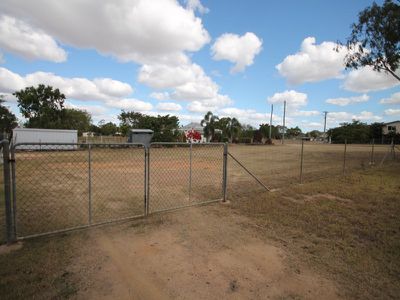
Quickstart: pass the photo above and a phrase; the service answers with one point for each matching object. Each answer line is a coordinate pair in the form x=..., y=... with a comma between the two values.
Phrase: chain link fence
x=280, y=165
x=58, y=187
x=184, y=174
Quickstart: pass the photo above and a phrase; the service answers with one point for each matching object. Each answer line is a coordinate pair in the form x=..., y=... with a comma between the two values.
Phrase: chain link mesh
x=117, y=182
x=184, y=174
x=60, y=187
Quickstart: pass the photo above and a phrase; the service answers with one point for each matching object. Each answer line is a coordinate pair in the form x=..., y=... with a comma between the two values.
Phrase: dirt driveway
x=200, y=253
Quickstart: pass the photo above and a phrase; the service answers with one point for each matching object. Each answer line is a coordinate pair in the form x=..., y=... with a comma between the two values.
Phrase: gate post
x=90, y=182
x=225, y=172
x=146, y=178
x=10, y=233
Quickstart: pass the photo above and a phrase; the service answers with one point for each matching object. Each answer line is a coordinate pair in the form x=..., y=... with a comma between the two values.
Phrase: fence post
x=225, y=172
x=146, y=179
x=190, y=170
x=344, y=156
x=10, y=233
x=372, y=152
x=90, y=182
x=392, y=149
x=301, y=161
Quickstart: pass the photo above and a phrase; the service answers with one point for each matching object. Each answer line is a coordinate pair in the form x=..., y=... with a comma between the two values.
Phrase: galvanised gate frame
x=58, y=187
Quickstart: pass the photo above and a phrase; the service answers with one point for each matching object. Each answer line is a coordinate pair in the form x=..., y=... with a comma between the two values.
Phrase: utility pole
x=284, y=116
x=325, y=113
x=270, y=122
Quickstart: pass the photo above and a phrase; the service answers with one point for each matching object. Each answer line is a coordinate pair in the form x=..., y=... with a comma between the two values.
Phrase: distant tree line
x=359, y=132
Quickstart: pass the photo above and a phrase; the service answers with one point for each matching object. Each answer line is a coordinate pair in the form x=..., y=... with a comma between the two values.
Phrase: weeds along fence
x=51, y=188
x=271, y=167
x=48, y=188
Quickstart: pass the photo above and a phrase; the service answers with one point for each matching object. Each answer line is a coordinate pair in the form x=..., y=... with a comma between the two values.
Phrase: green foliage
x=209, y=123
x=376, y=131
x=230, y=128
x=314, y=134
x=8, y=121
x=264, y=130
x=165, y=127
x=75, y=119
x=293, y=132
x=355, y=132
x=108, y=128
x=41, y=106
x=375, y=39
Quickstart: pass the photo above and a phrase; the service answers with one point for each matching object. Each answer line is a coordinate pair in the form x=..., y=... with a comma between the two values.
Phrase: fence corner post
x=10, y=232
x=225, y=173
x=372, y=162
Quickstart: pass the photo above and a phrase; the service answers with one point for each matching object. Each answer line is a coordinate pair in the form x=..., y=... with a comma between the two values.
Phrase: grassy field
x=347, y=227
x=53, y=186
x=335, y=238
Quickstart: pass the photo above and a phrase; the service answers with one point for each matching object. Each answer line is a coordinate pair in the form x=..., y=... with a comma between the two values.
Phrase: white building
x=43, y=136
x=391, y=127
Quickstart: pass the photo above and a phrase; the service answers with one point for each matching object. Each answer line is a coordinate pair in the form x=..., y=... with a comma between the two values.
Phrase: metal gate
x=183, y=174
x=58, y=187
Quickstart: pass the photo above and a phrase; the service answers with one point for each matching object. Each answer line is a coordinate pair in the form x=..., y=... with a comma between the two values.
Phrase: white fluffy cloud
x=78, y=88
x=168, y=106
x=392, y=112
x=138, y=30
x=161, y=96
x=366, y=79
x=188, y=82
x=305, y=113
x=239, y=50
x=338, y=117
x=196, y=5
x=130, y=104
x=292, y=98
x=394, y=99
x=343, y=101
x=313, y=62
x=18, y=37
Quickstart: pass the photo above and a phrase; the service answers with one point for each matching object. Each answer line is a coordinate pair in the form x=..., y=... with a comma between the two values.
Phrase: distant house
x=391, y=127
x=193, y=126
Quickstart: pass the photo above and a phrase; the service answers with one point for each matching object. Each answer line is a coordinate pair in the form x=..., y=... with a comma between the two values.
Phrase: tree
x=230, y=127
x=42, y=106
x=8, y=121
x=165, y=127
x=376, y=131
x=108, y=129
x=209, y=123
x=72, y=118
x=375, y=39
x=293, y=132
x=355, y=132
x=314, y=134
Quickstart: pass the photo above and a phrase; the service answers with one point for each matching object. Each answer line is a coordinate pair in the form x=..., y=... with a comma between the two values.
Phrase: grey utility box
x=142, y=136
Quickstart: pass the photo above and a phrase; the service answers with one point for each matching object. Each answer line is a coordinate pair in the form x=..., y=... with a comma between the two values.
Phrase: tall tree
x=375, y=39
x=42, y=106
x=8, y=121
x=230, y=127
x=209, y=123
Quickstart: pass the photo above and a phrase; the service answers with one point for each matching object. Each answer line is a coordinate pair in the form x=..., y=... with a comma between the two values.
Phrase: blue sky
x=234, y=58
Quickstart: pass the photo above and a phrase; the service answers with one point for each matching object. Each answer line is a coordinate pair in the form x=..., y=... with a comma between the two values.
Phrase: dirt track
x=199, y=253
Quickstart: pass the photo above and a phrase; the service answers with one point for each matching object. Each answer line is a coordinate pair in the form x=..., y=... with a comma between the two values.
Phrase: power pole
x=325, y=113
x=284, y=121
x=270, y=122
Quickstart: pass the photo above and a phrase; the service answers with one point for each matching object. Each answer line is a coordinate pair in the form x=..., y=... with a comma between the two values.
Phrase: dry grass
x=347, y=227
x=53, y=186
